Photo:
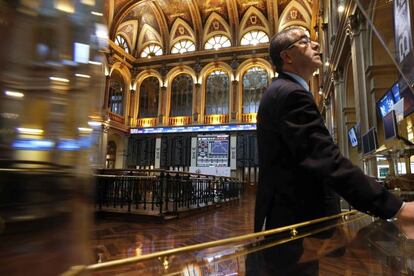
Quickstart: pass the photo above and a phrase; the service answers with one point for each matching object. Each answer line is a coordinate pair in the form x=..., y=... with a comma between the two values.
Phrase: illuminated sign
x=181, y=129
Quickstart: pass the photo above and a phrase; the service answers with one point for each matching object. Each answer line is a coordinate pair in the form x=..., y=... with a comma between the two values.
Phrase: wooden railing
x=180, y=121
x=116, y=118
x=147, y=122
x=216, y=119
x=249, y=118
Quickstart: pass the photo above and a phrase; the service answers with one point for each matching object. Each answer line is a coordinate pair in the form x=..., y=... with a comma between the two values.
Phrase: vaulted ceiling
x=163, y=22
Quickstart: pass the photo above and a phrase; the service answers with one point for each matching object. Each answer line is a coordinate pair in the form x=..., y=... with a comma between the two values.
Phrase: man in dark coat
x=301, y=170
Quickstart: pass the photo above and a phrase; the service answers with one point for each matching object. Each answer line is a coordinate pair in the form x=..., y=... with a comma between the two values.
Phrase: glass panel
x=151, y=50
x=182, y=95
x=217, y=93
x=183, y=46
x=148, y=98
x=354, y=245
x=119, y=40
x=49, y=91
x=217, y=42
x=116, y=94
x=254, y=38
x=254, y=83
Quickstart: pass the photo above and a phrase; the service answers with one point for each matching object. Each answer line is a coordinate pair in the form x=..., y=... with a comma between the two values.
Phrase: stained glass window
x=182, y=95
x=148, y=98
x=255, y=81
x=217, y=93
x=116, y=94
x=121, y=42
x=151, y=50
x=217, y=42
x=254, y=38
x=183, y=46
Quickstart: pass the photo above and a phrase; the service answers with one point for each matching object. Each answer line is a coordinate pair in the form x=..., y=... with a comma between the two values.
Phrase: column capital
x=354, y=24
x=337, y=76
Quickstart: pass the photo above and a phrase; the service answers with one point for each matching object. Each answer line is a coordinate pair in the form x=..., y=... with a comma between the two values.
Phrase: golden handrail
x=126, y=261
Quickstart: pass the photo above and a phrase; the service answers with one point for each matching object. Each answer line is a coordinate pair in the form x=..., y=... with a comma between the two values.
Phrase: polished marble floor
x=116, y=239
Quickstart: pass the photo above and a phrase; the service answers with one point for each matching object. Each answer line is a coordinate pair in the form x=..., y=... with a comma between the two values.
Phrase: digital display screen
x=352, y=137
x=213, y=150
x=386, y=103
x=369, y=141
x=182, y=129
x=390, y=126
x=396, y=92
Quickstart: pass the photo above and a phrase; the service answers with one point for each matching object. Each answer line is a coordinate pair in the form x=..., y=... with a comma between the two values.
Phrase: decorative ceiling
x=163, y=22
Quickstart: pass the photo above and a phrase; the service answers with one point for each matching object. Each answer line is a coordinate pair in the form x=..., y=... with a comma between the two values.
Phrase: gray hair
x=279, y=43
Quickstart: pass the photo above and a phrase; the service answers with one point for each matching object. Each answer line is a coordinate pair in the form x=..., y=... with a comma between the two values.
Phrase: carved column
x=391, y=163
x=131, y=117
x=356, y=32
x=339, y=88
x=162, y=106
x=328, y=118
x=106, y=97
x=234, y=101
x=196, y=103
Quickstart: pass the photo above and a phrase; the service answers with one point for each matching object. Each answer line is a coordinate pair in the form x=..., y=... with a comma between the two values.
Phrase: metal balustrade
x=158, y=192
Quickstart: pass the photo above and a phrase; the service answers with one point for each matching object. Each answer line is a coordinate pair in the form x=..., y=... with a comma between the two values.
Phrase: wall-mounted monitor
x=395, y=89
x=352, y=136
x=213, y=150
x=390, y=126
x=369, y=141
x=405, y=92
x=386, y=103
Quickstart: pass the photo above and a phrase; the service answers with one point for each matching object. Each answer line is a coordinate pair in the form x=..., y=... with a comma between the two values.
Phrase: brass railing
x=179, y=121
x=249, y=117
x=216, y=119
x=292, y=229
x=146, y=122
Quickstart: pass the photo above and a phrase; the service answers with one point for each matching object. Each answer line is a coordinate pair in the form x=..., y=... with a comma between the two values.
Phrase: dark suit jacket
x=301, y=169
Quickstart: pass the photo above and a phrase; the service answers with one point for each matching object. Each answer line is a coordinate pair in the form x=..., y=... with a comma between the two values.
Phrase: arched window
x=183, y=46
x=148, y=98
x=254, y=83
x=217, y=42
x=254, y=38
x=217, y=93
x=116, y=94
x=182, y=95
x=121, y=42
x=151, y=50
x=110, y=155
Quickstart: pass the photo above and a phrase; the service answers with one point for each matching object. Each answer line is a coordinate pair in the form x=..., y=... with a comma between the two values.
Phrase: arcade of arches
x=206, y=63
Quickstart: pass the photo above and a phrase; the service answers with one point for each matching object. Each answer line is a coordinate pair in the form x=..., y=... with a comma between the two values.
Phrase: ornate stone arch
x=128, y=30
x=170, y=77
x=241, y=70
x=286, y=20
x=123, y=70
x=247, y=64
x=137, y=84
x=181, y=30
x=153, y=38
x=126, y=76
x=215, y=25
x=253, y=19
x=205, y=72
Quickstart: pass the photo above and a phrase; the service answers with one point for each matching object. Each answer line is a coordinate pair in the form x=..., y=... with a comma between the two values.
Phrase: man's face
x=303, y=53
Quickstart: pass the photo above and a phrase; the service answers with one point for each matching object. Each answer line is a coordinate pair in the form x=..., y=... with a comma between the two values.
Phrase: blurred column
x=50, y=62
x=339, y=104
